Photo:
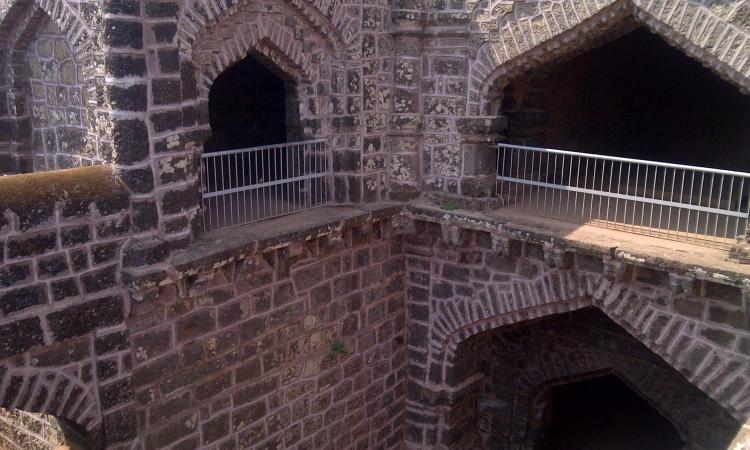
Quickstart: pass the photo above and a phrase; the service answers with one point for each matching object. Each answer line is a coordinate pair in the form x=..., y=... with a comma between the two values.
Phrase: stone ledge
x=217, y=248
x=71, y=185
x=680, y=258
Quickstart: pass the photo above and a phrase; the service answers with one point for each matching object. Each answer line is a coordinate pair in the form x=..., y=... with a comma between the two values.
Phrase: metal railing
x=695, y=204
x=252, y=184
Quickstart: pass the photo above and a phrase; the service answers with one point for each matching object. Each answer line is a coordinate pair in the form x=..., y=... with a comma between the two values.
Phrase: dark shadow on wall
x=252, y=104
x=603, y=413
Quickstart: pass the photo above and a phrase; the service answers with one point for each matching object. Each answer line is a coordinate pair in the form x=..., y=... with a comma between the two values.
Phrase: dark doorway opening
x=254, y=165
x=252, y=104
x=604, y=414
x=635, y=96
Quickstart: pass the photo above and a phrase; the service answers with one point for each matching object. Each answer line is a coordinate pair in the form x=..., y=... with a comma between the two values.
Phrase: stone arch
x=58, y=392
x=520, y=39
x=637, y=368
x=328, y=18
x=221, y=44
x=644, y=305
x=277, y=45
x=80, y=34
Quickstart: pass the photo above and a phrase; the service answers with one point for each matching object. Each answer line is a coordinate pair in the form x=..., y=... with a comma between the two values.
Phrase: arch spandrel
x=326, y=17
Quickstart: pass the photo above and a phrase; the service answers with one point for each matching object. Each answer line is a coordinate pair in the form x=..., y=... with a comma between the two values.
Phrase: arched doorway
x=252, y=104
x=628, y=132
x=254, y=165
x=635, y=96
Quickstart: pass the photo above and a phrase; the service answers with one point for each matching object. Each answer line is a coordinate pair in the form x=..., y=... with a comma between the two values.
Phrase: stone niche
x=56, y=99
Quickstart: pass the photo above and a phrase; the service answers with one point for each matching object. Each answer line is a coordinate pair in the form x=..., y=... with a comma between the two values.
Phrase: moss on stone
x=69, y=184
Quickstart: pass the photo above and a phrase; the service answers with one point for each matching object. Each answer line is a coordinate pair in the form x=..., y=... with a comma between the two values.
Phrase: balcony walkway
x=702, y=261
x=684, y=203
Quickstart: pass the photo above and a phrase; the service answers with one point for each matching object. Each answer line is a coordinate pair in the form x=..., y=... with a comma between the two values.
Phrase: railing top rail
x=628, y=160
x=263, y=147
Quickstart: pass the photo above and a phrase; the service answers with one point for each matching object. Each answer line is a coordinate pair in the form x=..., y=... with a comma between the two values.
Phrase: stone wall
x=63, y=344
x=56, y=97
x=404, y=93
x=464, y=280
x=301, y=346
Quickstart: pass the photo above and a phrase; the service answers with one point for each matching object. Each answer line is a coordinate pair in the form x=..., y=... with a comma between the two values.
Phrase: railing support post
x=740, y=251
x=477, y=167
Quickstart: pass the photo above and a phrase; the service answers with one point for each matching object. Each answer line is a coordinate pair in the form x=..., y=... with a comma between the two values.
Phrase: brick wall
x=290, y=348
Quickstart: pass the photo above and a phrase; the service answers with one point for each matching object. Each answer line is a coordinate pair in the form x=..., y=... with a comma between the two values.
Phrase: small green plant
x=448, y=206
x=338, y=347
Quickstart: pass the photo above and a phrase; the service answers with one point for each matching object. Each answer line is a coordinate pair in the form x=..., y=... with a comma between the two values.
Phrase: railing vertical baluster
x=643, y=205
x=256, y=191
x=710, y=196
x=635, y=187
x=687, y=224
x=729, y=206
x=679, y=210
x=217, y=167
x=609, y=188
x=593, y=187
x=718, y=204
x=554, y=182
x=585, y=186
x=531, y=176
x=738, y=221
x=499, y=183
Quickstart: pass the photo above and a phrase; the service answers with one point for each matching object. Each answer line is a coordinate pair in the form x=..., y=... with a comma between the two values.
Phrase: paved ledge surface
x=218, y=247
x=674, y=256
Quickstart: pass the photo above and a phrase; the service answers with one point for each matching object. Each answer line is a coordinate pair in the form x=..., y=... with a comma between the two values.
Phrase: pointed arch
x=645, y=311
x=544, y=32
x=278, y=45
x=329, y=19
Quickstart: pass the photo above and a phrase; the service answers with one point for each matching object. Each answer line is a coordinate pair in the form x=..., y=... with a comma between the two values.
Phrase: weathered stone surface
x=22, y=298
x=19, y=336
x=86, y=317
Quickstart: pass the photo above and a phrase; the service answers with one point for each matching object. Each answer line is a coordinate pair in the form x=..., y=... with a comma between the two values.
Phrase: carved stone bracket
x=681, y=284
